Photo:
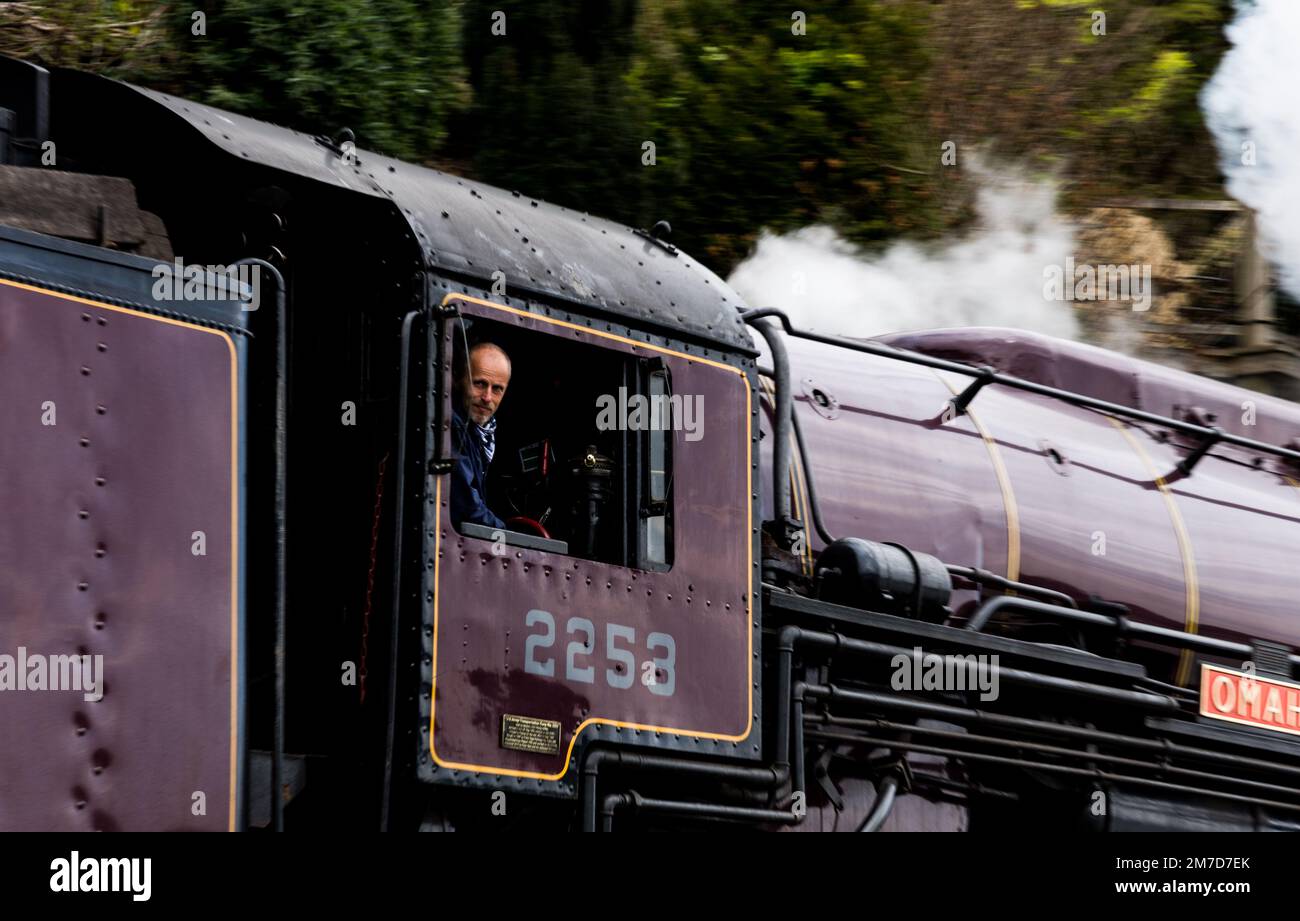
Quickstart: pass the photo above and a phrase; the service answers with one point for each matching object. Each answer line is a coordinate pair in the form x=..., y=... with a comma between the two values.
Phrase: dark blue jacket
x=469, y=477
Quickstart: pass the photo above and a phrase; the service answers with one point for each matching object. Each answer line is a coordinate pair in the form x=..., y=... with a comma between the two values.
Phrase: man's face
x=489, y=375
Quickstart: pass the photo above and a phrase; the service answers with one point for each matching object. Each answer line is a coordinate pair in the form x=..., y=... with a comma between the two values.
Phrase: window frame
x=631, y=469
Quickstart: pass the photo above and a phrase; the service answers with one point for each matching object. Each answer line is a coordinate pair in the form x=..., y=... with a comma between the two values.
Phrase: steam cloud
x=991, y=277
x=1251, y=101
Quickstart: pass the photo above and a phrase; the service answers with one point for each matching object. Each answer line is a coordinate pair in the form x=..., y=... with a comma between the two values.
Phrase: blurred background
x=871, y=165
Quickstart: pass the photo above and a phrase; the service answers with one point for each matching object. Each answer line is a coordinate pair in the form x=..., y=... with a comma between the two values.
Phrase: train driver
x=474, y=426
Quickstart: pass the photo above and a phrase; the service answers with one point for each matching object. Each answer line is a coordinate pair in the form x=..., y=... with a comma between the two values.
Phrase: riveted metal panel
x=120, y=439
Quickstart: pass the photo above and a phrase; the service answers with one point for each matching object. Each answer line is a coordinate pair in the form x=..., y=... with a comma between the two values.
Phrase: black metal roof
x=477, y=229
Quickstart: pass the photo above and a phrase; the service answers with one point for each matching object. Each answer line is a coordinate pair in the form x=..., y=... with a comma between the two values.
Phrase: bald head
x=489, y=376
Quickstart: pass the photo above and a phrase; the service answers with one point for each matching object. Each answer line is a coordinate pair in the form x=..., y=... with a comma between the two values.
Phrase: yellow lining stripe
x=234, y=502
x=1004, y=483
x=806, y=518
x=1193, y=588
x=749, y=566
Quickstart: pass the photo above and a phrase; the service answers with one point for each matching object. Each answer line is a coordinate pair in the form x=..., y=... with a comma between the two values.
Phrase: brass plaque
x=527, y=734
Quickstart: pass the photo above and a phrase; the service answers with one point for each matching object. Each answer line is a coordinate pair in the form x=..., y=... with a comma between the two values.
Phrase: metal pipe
x=814, y=506
x=796, y=737
x=607, y=807
x=1046, y=749
x=774, y=778
x=1032, y=679
x=1076, y=399
x=1090, y=773
x=781, y=422
x=1178, y=638
x=993, y=580
x=639, y=803
x=280, y=530
x=882, y=807
x=596, y=758
x=962, y=715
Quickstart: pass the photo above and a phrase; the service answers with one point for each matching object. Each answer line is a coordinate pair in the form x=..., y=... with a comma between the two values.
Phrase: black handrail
x=280, y=529
x=985, y=376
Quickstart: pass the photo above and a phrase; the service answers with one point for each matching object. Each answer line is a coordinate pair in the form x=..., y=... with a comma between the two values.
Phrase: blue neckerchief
x=487, y=434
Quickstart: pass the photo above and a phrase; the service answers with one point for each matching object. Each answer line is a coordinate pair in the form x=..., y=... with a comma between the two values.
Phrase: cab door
x=629, y=617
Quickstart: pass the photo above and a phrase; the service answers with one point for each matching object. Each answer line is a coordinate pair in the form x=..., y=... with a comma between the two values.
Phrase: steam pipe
x=814, y=506
x=616, y=801
x=950, y=713
x=1089, y=773
x=596, y=759
x=1176, y=638
x=1021, y=745
x=882, y=807
x=1147, y=701
x=782, y=416
x=993, y=580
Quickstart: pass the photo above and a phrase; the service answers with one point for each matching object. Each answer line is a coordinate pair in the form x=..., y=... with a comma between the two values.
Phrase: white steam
x=991, y=277
x=1250, y=105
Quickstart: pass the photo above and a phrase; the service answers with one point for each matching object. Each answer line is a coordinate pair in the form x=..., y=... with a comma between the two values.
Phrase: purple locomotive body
x=1057, y=495
x=942, y=580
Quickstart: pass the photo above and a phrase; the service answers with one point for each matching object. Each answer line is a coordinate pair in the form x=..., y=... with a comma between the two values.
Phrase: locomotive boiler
x=750, y=574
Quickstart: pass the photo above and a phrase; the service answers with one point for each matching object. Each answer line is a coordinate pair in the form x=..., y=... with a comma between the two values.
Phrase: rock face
x=100, y=210
x=1121, y=236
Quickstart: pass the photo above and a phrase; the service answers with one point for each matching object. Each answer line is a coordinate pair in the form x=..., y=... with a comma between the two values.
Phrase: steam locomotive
x=945, y=580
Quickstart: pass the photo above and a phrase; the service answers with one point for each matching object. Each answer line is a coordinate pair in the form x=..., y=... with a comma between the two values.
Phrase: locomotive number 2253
x=658, y=674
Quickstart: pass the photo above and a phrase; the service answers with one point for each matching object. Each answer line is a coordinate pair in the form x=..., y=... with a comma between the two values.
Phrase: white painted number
x=664, y=686
x=620, y=677
x=544, y=641
x=623, y=665
x=586, y=675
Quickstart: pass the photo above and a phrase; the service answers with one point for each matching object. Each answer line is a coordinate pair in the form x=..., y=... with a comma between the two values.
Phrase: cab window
x=576, y=457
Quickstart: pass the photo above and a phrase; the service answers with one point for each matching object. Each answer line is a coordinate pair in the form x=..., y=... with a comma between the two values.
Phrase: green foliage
x=388, y=69
x=761, y=127
x=1143, y=111
x=549, y=116
x=753, y=126
x=128, y=39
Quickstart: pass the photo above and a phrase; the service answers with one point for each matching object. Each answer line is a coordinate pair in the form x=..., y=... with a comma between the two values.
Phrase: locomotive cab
x=617, y=600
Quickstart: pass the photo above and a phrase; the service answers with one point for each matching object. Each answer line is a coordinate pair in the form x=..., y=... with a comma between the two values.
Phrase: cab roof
x=463, y=226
